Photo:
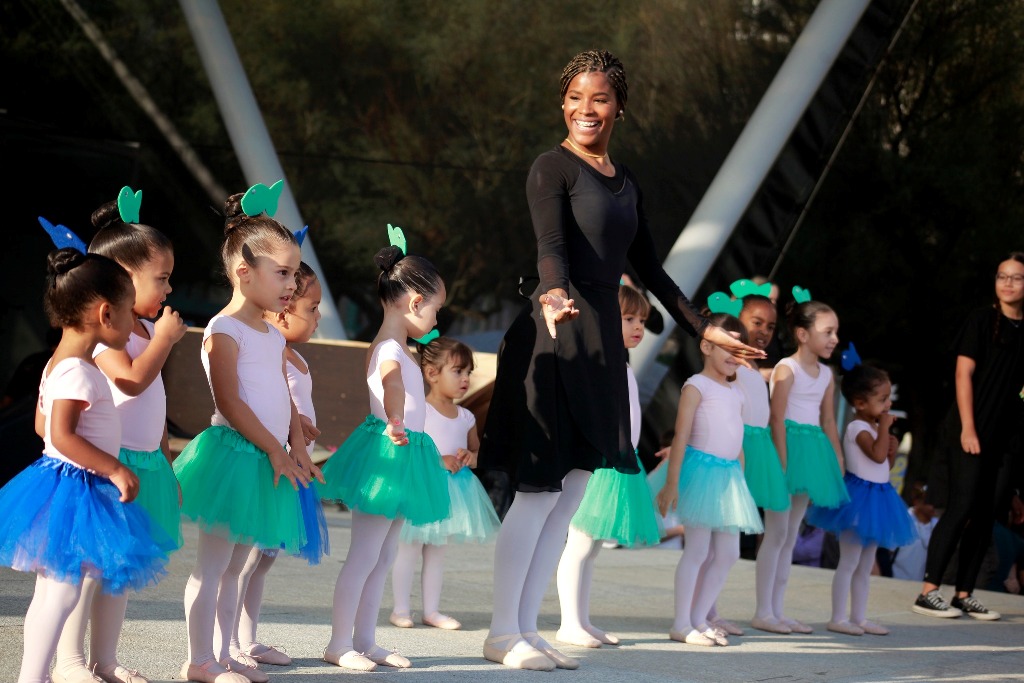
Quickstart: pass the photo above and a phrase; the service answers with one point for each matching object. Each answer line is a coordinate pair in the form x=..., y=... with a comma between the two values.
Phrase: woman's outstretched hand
x=743, y=353
x=557, y=308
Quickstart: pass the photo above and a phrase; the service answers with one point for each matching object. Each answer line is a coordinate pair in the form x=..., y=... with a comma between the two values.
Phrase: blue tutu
x=618, y=507
x=472, y=518
x=812, y=468
x=762, y=469
x=318, y=543
x=876, y=513
x=713, y=494
x=369, y=473
x=67, y=523
x=158, y=489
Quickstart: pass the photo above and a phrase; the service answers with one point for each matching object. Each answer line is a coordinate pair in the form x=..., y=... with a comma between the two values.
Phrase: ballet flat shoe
x=78, y=675
x=727, y=626
x=579, y=639
x=770, y=625
x=561, y=661
x=245, y=665
x=532, y=661
x=845, y=627
x=356, y=661
x=401, y=620
x=382, y=657
x=873, y=629
x=203, y=674
x=271, y=655
x=121, y=674
x=718, y=635
x=442, y=621
x=694, y=637
x=607, y=638
x=797, y=626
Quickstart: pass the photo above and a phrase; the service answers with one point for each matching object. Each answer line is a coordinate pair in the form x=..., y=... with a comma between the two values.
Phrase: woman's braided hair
x=597, y=60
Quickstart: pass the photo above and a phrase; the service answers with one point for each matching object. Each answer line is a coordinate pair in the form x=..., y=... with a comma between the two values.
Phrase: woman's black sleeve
x=548, y=196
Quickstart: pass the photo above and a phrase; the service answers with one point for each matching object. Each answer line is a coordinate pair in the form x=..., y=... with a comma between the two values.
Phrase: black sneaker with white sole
x=974, y=609
x=932, y=605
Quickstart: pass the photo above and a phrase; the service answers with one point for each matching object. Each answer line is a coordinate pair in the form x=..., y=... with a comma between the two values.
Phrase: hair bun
x=387, y=257
x=61, y=261
x=233, y=214
x=105, y=215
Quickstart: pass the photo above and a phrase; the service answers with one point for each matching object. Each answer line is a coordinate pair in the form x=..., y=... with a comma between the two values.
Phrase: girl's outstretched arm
x=394, y=401
x=828, y=420
x=64, y=415
x=668, y=497
x=133, y=376
x=223, y=353
x=965, y=404
x=782, y=383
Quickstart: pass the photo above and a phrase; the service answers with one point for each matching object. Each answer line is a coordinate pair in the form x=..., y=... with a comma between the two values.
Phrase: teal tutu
x=227, y=489
x=371, y=474
x=158, y=489
x=67, y=523
x=618, y=507
x=876, y=513
x=762, y=469
x=472, y=518
x=713, y=494
x=811, y=466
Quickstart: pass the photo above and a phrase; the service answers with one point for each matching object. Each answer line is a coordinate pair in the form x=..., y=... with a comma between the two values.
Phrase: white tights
x=575, y=573
x=700, y=575
x=431, y=577
x=52, y=603
x=250, y=598
x=852, y=578
x=211, y=597
x=105, y=615
x=775, y=557
x=529, y=545
x=360, y=585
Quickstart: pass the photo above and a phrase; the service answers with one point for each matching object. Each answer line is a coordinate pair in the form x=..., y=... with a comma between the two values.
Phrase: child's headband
x=262, y=199
x=801, y=295
x=720, y=302
x=63, y=237
x=128, y=204
x=850, y=358
x=396, y=238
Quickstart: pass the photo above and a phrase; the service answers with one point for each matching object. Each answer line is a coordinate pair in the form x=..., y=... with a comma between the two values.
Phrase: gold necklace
x=584, y=152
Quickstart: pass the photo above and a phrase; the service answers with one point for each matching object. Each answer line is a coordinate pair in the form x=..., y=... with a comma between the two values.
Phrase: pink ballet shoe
x=356, y=661
x=379, y=655
x=716, y=634
x=245, y=665
x=577, y=638
x=770, y=625
x=401, y=620
x=210, y=672
x=79, y=674
x=845, y=627
x=561, y=661
x=694, y=637
x=443, y=621
x=527, y=657
x=605, y=637
x=270, y=654
x=796, y=626
x=119, y=674
x=727, y=626
x=873, y=629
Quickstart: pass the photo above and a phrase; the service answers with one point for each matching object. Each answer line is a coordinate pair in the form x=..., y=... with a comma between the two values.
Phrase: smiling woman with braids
x=588, y=217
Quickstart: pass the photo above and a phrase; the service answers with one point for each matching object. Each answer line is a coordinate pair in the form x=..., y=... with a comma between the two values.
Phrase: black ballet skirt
x=562, y=404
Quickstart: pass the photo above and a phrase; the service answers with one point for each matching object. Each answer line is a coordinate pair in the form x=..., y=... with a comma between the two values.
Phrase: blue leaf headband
x=300, y=235
x=850, y=358
x=720, y=302
x=63, y=237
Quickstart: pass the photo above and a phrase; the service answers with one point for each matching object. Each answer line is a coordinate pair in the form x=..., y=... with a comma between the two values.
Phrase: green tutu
x=762, y=469
x=371, y=474
x=618, y=507
x=227, y=489
x=811, y=466
x=158, y=489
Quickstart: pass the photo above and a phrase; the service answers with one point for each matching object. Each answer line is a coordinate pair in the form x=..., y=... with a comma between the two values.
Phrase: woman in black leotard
x=560, y=407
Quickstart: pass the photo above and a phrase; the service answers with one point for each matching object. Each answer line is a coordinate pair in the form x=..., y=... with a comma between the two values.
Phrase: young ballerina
x=297, y=323
x=133, y=374
x=254, y=418
x=704, y=483
x=876, y=515
x=446, y=365
x=804, y=432
x=67, y=515
x=388, y=470
x=762, y=468
x=616, y=506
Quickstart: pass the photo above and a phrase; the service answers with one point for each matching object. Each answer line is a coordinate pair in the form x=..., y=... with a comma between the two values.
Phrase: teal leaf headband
x=719, y=302
x=63, y=237
x=397, y=238
x=428, y=337
x=262, y=199
x=745, y=287
x=801, y=295
x=128, y=204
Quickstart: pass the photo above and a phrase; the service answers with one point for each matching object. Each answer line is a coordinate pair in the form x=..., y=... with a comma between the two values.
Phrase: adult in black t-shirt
x=980, y=430
x=560, y=407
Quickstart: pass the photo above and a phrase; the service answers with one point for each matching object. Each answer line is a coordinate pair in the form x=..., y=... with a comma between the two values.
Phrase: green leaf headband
x=128, y=204
x=745, y=287
x=428, y=337
x=720, y=302
x=262, y=199
x=801, y=295
x=397, y=238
